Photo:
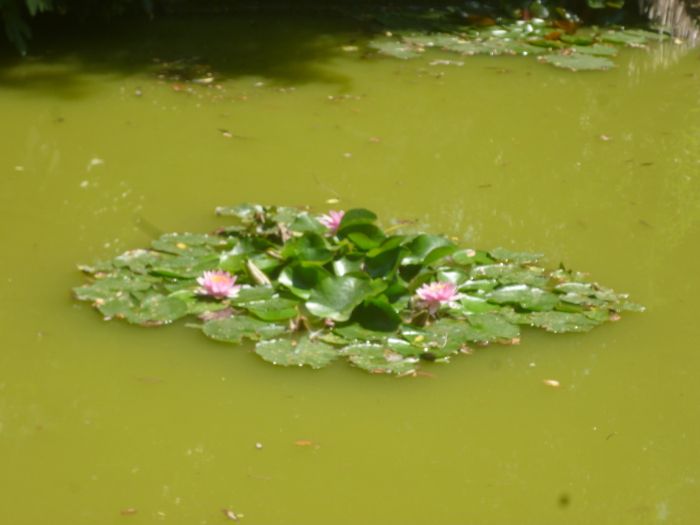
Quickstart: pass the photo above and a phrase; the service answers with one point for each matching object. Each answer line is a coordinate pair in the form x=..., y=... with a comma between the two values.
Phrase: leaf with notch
x=336, y=297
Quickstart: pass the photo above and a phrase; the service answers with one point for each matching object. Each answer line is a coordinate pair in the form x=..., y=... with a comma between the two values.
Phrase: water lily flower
x=218, y=284
x=332, y=221
x=434, y=295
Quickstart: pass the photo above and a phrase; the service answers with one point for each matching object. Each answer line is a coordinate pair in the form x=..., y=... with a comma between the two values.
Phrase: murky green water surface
x=97, y=418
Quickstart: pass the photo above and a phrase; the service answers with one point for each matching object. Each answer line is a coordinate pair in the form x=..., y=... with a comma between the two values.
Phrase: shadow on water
x=282, y=49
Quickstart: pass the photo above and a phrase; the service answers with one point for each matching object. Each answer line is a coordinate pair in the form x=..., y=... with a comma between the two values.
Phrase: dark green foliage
x=362, y=296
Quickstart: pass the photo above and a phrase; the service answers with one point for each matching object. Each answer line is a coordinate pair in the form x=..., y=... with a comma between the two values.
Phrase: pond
x=106, y=146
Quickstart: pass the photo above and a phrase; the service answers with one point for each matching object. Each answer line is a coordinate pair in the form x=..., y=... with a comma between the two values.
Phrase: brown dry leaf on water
x=551, y=382
x=304, y=443
x=604, y=137
x=126, y=512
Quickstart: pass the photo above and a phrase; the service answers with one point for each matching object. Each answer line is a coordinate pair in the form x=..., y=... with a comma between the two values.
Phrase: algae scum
x=311, y=294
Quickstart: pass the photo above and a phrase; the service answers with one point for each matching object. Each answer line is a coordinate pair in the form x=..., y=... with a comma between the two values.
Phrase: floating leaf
x=254, y=294
x=357, y=216
x=305, y=223
x=192, y=244
x=107, y=287
x=364, y=236
x=242, y=211
x=336, y=297
x=490, y=326
x=378, y=358
x=357, y=332
x=275, y=309
x=422, y=245
x=473, y=304
x=395, y=49
x=596, y=49
x=301, y=278
x=385, y=263
x=624, y=37
x=234, y=329
x=437, y=40
x=510, y=274
x=286, y=352
x=377, y=315
x=525, y=296
x=139, y=261
x=579, y=62
x=501, y=254
x=311, y=248
x=158, y=309
x=353, y=262
x=559, y=322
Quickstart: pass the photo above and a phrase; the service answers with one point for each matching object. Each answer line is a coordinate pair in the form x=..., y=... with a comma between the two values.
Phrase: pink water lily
x=434, y=295
x=332, y=221
x=218, y=284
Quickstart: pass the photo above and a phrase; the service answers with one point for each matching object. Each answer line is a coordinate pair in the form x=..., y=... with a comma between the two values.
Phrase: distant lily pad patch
x=408, y=33
x=308, y=289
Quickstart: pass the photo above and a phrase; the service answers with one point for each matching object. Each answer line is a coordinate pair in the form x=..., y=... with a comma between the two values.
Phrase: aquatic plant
x=387, y=302
x=218, y=284
x=553, y=37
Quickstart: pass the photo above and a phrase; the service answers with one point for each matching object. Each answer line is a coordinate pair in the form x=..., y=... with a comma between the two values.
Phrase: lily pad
x=287, y=352
x=158, y=309
x=596, y=49
x=301, y=278
x=525, y=296
x=275, y=309
x=377, y=315
x=379, y=358
x=422, y=245
x=336, y=297
x=437, y=40
x=394, y=49
x=624, y=38
x=253, y=294
x=306, y=223
x=139, y=261
x=234, y=329
x=510, y=274
x=559, y=322
x=192, y=244
x=489, y=327
x=357, y=332
x=579, y=62
x=501, y=254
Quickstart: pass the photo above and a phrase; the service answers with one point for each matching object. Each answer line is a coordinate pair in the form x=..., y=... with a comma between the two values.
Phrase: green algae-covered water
x=106, y=145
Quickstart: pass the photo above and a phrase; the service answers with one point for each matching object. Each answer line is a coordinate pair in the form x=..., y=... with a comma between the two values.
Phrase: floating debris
x=551, y=382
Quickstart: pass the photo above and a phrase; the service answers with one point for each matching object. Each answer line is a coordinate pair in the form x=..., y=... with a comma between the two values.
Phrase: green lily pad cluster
x=307, y=294
x=555, y=42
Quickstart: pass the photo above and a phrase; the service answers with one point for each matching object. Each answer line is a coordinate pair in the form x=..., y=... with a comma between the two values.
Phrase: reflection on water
x=100, y=417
